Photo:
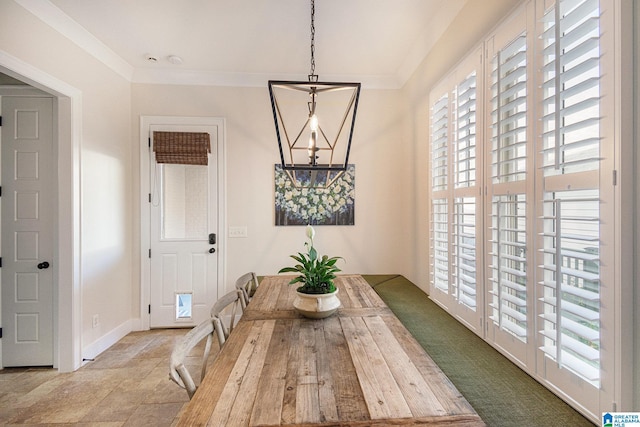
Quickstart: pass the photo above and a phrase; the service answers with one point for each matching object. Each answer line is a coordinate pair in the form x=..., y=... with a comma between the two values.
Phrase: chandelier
x=314, y=125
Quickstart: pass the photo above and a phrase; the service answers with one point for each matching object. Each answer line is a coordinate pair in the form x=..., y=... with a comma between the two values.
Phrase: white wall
x=106, y=196
x=378, y=241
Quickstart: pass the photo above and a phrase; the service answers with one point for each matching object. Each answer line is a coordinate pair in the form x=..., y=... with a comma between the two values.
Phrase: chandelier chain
x=313, y=37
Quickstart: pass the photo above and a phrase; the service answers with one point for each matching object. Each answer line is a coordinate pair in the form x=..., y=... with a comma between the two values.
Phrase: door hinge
x=615, y=177
x=0, y=262
x=149, y=253
x=149, y=308
x=0, y=332
x=0, y=120
x=0, y=191
x=149, y=197
x=149, y=142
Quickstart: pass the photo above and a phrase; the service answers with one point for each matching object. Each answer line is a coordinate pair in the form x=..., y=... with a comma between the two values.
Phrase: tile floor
x=127, y=385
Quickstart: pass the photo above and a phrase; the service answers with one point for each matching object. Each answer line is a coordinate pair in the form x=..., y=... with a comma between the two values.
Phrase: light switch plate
x=238, y=231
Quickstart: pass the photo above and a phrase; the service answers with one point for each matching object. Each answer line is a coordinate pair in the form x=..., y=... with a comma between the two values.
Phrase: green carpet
x=500, y=392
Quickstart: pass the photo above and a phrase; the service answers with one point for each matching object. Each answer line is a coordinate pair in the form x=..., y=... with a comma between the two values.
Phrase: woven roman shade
x=183, y=148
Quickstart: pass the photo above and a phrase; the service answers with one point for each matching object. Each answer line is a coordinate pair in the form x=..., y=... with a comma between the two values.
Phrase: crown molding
x=204, y=78
x=51, y=15
x=63, y=24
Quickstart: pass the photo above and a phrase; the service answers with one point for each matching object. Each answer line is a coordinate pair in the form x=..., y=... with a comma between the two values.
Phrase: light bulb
x=313, y=123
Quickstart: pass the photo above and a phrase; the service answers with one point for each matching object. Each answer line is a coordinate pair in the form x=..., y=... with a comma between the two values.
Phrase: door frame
x=67, y=301
x=145, y=209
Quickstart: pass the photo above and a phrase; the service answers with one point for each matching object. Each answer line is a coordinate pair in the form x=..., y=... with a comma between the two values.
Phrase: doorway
x=27, y=230
x=67, y=101
x=182, y=218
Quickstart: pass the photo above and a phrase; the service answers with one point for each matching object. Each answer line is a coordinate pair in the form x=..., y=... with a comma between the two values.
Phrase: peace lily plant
x=315, y=273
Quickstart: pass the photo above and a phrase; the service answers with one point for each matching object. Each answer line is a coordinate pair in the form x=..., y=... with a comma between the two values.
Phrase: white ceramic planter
x=316, y=306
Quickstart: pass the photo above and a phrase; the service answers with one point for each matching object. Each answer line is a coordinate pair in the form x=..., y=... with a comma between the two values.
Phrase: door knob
x=43, y=265
x=212, y=250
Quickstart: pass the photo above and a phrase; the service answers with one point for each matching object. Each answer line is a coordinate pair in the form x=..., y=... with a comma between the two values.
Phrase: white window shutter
x=570, y=285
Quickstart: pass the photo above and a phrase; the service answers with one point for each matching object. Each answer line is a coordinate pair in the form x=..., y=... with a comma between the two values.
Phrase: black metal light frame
x=315, y=173
x=289, y=142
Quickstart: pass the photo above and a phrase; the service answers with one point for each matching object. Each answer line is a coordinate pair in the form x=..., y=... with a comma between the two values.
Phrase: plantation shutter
x=440, y=144
x=465, y=197
x=465, y=137
x=184, y=148
x=439, y=186
x=454, y=194
x=571, y=87
x=509, y=112
x=465, y=250
x=440, y=244
x=508, y=278
x=570, y=331
x=508, y=268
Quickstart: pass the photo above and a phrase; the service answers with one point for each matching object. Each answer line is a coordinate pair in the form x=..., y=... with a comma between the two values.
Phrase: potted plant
x=316, y=297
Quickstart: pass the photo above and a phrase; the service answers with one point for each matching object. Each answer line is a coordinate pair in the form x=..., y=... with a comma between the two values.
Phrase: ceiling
x=246, y=42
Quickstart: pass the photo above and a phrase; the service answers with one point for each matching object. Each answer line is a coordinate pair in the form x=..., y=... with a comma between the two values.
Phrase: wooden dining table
x=359, y=367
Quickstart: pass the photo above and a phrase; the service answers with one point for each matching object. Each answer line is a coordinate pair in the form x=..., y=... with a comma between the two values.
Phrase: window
x=440, y=245
x=439, y=206
x=509, y=112
x=510, y=173
x=570, y=284
x=440, y=144
x=184, y=203
x=508, y=268
x=465, y=251
x=465, y=150
x=526, y=183
x=455, y=259
x=184, y=302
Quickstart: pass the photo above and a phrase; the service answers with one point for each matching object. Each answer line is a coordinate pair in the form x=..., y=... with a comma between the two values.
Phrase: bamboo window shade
x=183, y=148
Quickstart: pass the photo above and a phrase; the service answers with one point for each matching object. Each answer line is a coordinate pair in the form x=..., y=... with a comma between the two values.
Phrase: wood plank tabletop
x=359, y=367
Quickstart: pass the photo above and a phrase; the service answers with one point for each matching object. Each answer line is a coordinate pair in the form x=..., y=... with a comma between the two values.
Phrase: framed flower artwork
x=334, y=205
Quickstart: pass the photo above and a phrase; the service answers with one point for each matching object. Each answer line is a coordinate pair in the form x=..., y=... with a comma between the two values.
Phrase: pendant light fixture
x=314, y=125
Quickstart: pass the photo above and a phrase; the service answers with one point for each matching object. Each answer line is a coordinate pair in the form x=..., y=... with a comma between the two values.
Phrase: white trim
x=68, y=335
x=62, y=23
x=106, y=341
x=207, y=78
x=65, y=25
x=53, y=16
x=145, y=189
x=626, y=368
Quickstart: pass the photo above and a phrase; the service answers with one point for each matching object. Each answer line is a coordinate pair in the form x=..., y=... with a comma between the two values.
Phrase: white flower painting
x=317, y=206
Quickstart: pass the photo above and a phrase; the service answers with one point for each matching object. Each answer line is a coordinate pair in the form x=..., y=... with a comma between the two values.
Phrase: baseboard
x=107, y=340
x=136, y=325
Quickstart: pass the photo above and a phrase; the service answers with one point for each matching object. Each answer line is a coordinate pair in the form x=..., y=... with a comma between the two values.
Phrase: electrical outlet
x=238, y=231
x=95, y=320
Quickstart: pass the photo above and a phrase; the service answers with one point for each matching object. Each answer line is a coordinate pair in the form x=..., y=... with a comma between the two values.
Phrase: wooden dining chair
x=226, y=312
x=248, y=284
x=178, y=372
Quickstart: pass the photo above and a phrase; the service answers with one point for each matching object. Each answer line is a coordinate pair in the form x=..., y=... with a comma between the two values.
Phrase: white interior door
x=184, y=231
x=27, y=273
